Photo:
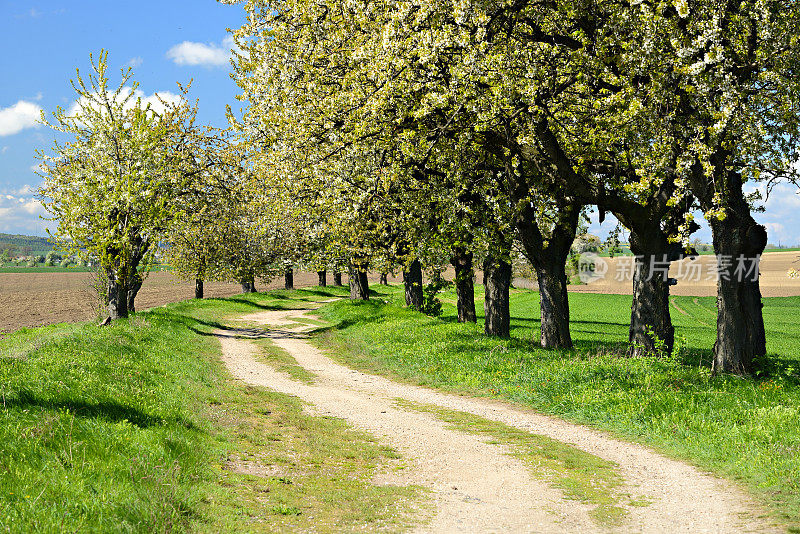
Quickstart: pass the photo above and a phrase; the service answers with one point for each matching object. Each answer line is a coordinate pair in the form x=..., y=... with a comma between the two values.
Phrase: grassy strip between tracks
x=747, y=430
x=138, y=427
x=580, y=475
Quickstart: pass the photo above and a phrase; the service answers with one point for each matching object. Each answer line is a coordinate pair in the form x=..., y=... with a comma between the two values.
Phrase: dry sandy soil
x=774, y=279
x=475, y=485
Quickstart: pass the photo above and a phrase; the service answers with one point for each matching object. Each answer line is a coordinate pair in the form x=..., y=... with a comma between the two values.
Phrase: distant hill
x=24, y=242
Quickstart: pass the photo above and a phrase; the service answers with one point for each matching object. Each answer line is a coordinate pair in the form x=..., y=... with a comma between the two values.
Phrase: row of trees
x=137, y=181
x=413, y=131
x=406, y=133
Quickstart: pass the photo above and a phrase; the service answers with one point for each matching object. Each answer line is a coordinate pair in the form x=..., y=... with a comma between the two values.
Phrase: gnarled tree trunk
x=198, y=288
x=651, y=331
x=741, y=339
x=117, y=295
x=384, y=281
x=551, y=275
x=465, y=285
x=359, y=285
x=739, y=242
x=412, y=280
x=497, y=282
x=323, y=278
x=549, y=258
x=134, y=285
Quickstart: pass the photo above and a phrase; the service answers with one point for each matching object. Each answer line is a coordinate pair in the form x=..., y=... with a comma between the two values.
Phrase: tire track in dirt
x=493, y=493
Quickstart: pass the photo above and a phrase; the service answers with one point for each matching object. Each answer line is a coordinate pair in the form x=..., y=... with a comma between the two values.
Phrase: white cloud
x=206, y=54
x=26, y=189
x=18, y=117
x=135, y=62
x=21, y=212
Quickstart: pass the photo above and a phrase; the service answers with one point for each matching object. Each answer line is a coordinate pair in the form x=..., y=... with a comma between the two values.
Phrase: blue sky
x=44, y=42
x=166, y=42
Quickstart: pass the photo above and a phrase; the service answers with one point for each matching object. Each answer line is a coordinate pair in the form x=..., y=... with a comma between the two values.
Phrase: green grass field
x=138, y=428
x=744, y=429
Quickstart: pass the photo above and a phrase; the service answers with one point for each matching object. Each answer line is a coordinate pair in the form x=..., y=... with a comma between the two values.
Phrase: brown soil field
x=694, y=276
x=28, y=300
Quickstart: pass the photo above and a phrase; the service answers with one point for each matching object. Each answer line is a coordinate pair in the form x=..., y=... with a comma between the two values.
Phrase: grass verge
x=138, y=427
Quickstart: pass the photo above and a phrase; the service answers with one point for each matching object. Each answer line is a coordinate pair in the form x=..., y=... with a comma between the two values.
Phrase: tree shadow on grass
x=107, y=410
x=250, y=303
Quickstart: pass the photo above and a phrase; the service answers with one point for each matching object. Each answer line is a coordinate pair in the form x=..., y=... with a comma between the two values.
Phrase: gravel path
x=476, y=486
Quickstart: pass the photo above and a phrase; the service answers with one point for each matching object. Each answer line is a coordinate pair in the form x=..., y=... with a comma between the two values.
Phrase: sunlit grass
x=744, y=429
x=138, y=427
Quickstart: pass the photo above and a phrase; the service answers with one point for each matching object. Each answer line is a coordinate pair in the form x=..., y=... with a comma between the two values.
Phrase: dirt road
x=476, y=486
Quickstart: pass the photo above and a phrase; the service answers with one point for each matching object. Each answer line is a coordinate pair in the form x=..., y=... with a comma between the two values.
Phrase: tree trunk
x=248, y=286
x=359, y=285
x=337, y=278
x=412, y=280
x=554, y=302
x=288, y=278
x=384, y=281
x=198, y=288
x=548, y=257
x=741, y=339
x=497, y=282
x=117, y=295
x=323, y=278
x=651, y=330
x=465, y=285
x=134, y=285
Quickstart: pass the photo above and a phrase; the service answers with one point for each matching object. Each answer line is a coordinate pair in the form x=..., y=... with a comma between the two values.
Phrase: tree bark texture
x=134, y=285
x=384, y=281
x=117, y=295
x=337, y=278
x=359, y=285
x=323, y=278
x=412, y=280
x=465, y=285
x=554, y=303
x=497, y=282
x=651, y=331
x=288, y=278
x=741, y=339
x=198, y=288
x=739, y=242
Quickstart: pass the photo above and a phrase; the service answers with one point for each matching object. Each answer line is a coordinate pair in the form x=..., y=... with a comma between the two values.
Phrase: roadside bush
x=431, y=305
